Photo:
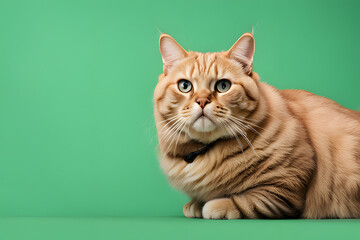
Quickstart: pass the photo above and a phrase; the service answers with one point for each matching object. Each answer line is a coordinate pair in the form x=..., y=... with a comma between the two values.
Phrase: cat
x=240, y=148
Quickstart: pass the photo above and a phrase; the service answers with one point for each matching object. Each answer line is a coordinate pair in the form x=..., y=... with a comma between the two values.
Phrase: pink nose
x=202, y=101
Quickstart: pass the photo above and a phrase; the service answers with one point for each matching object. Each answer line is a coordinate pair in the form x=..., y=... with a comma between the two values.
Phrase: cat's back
x=321, y=114
x=327, y=122
x=307, y=102
x=334, y=132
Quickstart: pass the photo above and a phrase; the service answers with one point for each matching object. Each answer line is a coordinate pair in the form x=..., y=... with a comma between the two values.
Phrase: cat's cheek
x=168, y=109
x=171, y=103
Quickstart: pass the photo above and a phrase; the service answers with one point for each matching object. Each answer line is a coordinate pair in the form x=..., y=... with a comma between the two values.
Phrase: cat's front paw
x=222, y=208
x=193, y=209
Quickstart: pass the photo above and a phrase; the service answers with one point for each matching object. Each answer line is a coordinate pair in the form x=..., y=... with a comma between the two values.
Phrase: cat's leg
x=193, y=209
x=255, y=204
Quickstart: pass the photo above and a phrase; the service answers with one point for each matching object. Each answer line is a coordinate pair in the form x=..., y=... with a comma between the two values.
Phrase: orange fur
x=279, y=153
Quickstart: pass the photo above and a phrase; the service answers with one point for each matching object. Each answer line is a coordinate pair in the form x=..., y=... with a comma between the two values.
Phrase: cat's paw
x=193, y=209
x=222, y=208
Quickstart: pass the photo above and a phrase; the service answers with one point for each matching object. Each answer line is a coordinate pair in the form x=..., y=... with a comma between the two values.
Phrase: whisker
x=176, y=121
x=243, y=127
x=246, y=122
x=245, y=138
x=235, y=135
x=173, y=130
x=175, y=116
x=242, y=150
x=170, y=129
x=179, y=134
x=239, y=127
x=239, y=121
x=173, y=138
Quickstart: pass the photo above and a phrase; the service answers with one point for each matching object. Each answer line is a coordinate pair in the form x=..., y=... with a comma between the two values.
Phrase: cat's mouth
x=203, y=123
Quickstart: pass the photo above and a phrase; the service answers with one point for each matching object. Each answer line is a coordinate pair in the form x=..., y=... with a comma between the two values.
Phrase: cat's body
x=334, y=133
x=274, y=153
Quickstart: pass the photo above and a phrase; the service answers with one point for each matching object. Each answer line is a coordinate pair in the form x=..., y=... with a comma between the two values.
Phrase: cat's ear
x=171, y=51
x=243, y=51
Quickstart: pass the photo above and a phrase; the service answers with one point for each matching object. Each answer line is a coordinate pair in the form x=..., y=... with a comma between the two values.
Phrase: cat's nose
x=202, y=101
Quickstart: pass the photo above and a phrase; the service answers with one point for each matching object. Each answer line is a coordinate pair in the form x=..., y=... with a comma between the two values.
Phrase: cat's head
x=206, y=95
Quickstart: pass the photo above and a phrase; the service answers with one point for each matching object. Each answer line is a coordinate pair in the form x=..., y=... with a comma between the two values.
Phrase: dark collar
x=191, y=156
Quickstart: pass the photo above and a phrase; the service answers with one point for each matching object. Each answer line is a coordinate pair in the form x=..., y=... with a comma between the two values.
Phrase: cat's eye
x=222, y=85
x=184, y=86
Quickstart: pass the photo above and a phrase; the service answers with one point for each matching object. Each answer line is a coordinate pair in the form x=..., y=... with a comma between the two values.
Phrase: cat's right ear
x=171, y=52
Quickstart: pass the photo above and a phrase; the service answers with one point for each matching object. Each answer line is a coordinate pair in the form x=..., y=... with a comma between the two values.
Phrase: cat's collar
x=191, y=156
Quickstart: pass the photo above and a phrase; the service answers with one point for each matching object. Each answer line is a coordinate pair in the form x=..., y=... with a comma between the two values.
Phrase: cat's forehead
x=205, y=67
x=203, y=64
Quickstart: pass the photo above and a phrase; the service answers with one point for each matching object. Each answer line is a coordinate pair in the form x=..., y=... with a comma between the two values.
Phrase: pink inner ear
x=170, y=51
x=165, y=69
x=243, y=51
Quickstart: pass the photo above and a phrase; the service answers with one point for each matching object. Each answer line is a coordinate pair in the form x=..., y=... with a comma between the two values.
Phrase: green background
x=77, y=134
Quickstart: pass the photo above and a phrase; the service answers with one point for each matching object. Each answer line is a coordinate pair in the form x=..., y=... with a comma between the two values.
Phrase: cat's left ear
x=171, y=51
x=243, y=51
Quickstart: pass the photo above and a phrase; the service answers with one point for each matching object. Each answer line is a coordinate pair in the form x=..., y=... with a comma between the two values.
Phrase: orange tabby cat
x=240, y=148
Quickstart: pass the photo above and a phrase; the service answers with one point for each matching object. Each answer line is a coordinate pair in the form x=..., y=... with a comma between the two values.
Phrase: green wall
x=77, y=134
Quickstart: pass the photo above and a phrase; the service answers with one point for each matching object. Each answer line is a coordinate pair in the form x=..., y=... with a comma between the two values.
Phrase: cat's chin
x=203, y=125
x=204, y=130
x=205, y=137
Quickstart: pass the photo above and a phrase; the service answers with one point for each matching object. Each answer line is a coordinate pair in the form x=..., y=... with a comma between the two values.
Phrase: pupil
x=223, y=86
x=185, y=85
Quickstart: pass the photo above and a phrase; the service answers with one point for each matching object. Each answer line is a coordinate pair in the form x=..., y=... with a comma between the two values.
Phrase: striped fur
x=300, y=156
